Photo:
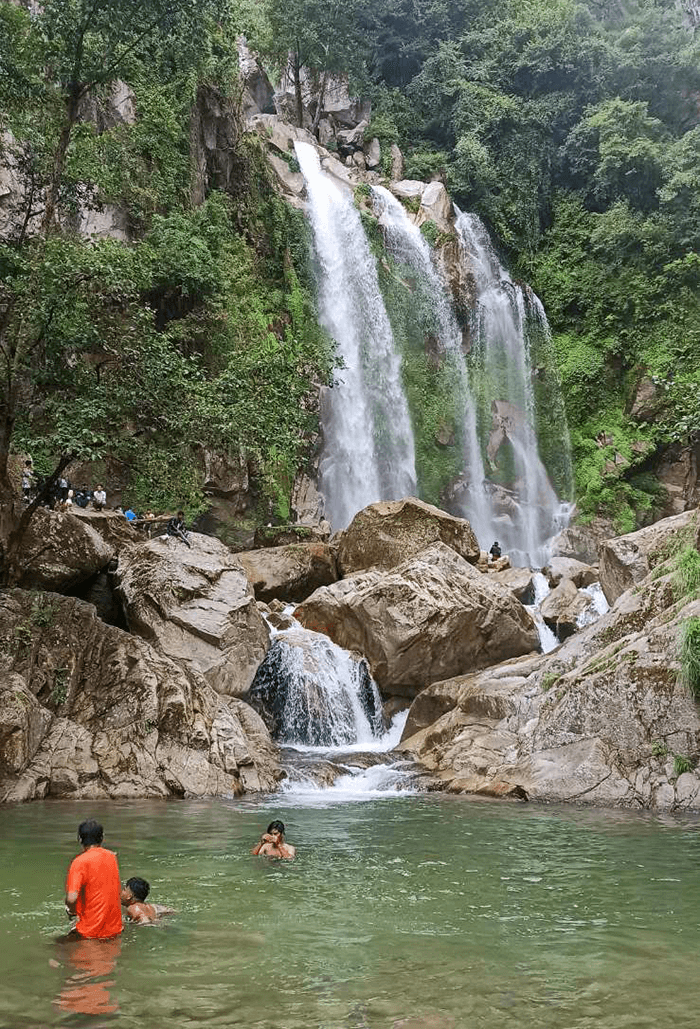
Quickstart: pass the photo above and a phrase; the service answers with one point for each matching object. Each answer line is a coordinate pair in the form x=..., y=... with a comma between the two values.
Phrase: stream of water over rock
x=368, y=449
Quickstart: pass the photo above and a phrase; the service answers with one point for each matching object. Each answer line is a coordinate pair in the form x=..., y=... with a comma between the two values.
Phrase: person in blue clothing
x=130, y=515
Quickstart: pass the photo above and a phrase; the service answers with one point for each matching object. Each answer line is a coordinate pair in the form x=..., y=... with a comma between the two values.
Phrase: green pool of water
x=404, y=913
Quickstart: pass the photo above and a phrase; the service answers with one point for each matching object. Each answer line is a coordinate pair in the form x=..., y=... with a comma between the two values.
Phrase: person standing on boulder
x=93, y=887
x=495, y=551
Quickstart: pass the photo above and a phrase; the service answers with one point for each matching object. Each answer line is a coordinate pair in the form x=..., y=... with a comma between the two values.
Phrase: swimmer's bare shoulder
x=147, y=914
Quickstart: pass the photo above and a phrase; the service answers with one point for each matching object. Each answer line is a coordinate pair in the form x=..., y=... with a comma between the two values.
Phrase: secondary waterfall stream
x=368, y=448
x=324, y=710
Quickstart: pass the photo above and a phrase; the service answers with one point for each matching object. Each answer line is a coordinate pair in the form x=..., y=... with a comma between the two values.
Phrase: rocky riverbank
x=157, y=704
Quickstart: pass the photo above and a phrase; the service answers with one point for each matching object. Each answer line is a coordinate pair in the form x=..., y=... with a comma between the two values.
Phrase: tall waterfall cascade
x=525, y=512
x=368, y=448
x=409, y=246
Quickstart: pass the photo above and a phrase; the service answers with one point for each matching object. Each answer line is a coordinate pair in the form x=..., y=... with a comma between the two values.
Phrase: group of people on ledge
x=95, y=894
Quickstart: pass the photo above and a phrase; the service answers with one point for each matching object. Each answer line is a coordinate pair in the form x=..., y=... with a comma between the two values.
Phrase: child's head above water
x=135, y=889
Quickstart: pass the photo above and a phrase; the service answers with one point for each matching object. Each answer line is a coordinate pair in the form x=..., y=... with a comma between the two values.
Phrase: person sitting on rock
x=495, y=551
x=133, y=897
x=99, y=499
x=272, y=843
x=176, y=527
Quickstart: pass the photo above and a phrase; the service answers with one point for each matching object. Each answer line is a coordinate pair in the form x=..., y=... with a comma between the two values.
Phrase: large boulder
x=430, y=617
x=602, y=720
x=517, y=580
x=626, y=560
x=562, y=608
x=578, y=572
x=195, y=606
x=89, y=711
x=290, y=572
x=59, y=551
x=385, y=534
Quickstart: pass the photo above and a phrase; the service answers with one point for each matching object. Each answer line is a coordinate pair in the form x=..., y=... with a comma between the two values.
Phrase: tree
x=320, y=35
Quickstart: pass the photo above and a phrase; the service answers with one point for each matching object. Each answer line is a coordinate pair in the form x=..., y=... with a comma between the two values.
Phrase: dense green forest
x=573, y=129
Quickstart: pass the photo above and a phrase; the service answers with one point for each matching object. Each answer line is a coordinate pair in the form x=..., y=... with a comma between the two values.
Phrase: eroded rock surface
x=384, y=535
x=59, y=551
x=89, y=711
x=626, y=560
x=601, y=720
x=290, y=572
x=196, y=607
x=430, y=617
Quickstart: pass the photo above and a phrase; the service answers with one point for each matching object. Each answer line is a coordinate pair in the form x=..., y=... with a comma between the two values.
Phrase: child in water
x=272, y=843
x=133, y=895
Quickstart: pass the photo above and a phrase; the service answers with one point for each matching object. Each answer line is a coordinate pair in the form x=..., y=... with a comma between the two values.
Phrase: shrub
x=690, y=655
x=681, y=764
x=686, y=580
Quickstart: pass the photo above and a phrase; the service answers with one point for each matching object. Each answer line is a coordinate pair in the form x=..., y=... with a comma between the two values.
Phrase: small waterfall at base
x=548, y=639
x=597, y=607
x=526, y=509
x=324, y=709
x=368, y=449
x=316, y=693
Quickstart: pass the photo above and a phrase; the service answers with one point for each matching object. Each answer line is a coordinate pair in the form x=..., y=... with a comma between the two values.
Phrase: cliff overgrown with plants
x=200, y=332
x=572, y=128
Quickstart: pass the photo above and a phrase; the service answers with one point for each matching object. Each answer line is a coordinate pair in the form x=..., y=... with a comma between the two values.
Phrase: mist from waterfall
x=408, y=246
x=525, y=509
x=368, y=448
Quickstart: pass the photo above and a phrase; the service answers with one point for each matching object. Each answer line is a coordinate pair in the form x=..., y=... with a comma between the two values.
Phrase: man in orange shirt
x=93, y=887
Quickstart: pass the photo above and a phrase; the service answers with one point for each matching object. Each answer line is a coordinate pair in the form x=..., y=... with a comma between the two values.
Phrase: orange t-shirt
x=94, y=876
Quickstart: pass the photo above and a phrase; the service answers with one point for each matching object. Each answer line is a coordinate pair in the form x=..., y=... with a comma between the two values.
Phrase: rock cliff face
x=195, y=606
x=602, y=720
x=89, y=711
x=626, y=560
x=431, y=616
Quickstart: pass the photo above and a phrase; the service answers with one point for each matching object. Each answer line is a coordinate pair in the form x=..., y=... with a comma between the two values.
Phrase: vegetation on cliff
x=198, y=333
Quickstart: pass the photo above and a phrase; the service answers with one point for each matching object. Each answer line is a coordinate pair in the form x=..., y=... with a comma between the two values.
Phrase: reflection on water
x=404, y=913
x=90, y=963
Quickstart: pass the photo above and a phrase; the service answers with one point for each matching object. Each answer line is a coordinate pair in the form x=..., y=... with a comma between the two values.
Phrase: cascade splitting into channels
x=409, y=246
x=368, y=449
x=530, y=513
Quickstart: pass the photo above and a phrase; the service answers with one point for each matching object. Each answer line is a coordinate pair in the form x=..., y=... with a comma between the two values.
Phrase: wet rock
x=195, y=606
x=432, y=616
x=597, y=721
x=396, y=170
x=289, y=573
x=567, y=568
x=562, y=608
x=437, y=205
x=626, y=560
x=385, y=534
x=89, y=711
x=517, y=580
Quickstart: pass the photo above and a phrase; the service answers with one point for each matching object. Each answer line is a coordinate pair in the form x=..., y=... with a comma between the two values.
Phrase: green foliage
x=59, y=692
x=431, y=232
x=690, y=655
x=548, y=680
x=687, y=573
x=659, y=749
x=43, y=612
x=681, y=765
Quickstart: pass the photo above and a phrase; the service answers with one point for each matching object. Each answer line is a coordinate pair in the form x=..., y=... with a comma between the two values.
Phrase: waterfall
x=406, y=243
x=526, y=511
x=315, y=693
x=548, y=639
x=368, y=449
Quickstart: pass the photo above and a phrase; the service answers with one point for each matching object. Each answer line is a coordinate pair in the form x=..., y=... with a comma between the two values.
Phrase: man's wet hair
x=276, y=826
x=139, y=887
x=90, y=832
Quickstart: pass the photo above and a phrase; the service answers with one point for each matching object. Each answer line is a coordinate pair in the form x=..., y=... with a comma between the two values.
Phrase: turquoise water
x=406, y=913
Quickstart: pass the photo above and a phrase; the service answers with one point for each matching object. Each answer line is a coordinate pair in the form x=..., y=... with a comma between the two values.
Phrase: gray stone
x=626, y=560
x=430, y=617
x=289, y=573
x=196, y=606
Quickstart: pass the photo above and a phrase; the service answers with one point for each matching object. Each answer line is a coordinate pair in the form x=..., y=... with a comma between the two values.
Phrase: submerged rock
x=430, y=617
x=89, y=711
x=385, y=534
